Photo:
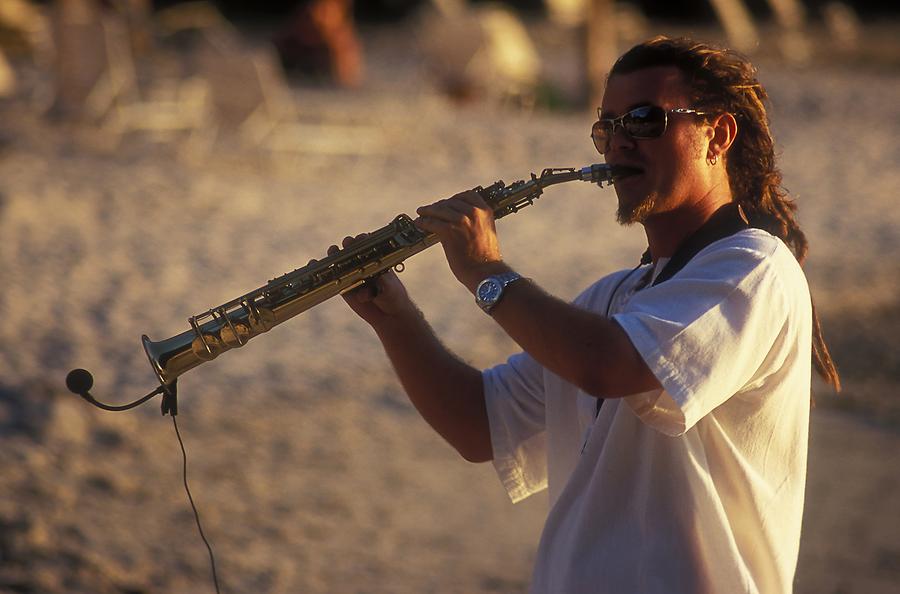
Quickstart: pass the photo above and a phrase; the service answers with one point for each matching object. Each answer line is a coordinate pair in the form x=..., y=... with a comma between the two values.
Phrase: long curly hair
x=723, y=81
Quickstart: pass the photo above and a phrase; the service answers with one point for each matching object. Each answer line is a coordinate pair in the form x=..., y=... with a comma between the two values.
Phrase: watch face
x=488, y=290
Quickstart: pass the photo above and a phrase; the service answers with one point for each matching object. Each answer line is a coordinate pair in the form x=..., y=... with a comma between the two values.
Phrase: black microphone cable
x=80, y=381
x=212, y=558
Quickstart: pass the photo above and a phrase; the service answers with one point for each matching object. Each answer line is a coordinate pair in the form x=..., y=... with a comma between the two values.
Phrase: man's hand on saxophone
x=468, y=234
x=380, y=298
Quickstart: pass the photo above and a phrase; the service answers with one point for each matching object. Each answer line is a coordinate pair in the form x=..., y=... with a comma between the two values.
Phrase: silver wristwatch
x=490, y=290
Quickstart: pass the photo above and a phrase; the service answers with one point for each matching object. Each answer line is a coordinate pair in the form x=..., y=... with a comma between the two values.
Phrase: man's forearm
x=446, y=391
x=584, y=348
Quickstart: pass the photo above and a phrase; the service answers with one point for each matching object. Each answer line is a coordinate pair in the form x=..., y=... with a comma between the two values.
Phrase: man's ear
x=724, y=130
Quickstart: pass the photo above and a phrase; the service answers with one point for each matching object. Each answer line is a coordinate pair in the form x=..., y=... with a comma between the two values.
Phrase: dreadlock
x=723, y=81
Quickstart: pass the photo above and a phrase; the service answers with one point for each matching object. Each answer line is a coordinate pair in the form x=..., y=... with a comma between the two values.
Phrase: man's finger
x=371, y=285
x=444, y=212
x=472, y=197
x=432, y=224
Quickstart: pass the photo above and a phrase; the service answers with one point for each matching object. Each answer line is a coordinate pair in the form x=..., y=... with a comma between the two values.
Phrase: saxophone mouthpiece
x=598, y=173
x=602, y=173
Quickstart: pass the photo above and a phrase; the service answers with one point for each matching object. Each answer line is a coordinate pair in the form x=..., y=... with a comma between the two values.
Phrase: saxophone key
x=207, y=346
x=263, y=321
x=235, y=335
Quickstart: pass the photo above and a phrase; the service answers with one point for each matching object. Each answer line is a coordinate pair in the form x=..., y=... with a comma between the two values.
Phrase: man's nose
x=619, y=139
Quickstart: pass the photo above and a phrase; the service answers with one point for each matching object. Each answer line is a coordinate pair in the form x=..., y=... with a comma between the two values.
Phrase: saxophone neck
x=512, y=198
x=597, y=173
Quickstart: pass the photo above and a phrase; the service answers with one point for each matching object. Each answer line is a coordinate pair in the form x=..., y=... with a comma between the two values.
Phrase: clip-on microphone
x=80, y=381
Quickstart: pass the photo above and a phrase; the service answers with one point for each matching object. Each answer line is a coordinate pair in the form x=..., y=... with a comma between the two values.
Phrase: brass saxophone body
x=233, y=324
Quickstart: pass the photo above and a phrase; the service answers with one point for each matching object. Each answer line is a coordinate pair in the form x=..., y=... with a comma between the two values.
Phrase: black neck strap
x=725, y=222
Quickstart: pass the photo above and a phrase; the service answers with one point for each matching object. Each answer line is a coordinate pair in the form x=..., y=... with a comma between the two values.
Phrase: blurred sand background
x=311, y=471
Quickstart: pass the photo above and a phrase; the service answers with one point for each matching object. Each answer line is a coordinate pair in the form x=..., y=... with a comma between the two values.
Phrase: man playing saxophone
x=667, y=407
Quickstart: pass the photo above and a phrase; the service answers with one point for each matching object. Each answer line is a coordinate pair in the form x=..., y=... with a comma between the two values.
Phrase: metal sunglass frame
x=620, y=122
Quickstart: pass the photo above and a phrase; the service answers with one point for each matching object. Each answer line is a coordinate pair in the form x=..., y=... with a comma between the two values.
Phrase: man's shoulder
x=749, y=250
x=756, y=242
x=758, y=263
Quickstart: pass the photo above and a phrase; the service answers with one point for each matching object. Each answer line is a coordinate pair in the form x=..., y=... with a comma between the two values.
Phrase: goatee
x=635, y=212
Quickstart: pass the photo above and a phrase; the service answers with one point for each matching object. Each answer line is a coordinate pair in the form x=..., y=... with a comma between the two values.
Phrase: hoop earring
x=712, y=160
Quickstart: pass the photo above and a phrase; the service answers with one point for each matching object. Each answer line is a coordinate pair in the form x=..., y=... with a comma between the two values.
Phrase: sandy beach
x=311, y=471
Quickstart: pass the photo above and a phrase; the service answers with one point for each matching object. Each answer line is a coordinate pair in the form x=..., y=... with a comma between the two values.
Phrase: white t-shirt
x=697, y=487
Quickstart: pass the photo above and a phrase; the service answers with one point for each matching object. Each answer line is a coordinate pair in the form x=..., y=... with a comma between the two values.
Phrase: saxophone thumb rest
x=232, y=324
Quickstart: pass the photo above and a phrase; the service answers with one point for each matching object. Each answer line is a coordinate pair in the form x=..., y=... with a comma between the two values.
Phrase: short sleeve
x=514, y=396
x=706, y=332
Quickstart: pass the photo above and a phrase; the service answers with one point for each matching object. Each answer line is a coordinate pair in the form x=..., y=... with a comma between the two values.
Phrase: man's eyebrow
x=613, y=115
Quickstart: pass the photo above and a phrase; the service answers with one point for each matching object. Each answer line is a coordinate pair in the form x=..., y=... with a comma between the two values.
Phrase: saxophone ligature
x=233, y=324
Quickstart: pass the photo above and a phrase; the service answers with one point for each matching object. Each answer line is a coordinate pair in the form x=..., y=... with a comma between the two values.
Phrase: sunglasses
x=647, y=121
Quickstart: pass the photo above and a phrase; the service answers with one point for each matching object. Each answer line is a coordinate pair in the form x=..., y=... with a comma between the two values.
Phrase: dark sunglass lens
x=600, y=135
x=645, y=122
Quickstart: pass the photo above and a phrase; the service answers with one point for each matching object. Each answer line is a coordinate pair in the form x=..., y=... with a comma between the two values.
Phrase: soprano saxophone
x=233, y=324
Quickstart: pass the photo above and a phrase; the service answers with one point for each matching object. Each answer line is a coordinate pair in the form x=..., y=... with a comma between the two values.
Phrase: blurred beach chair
x=249, y=96
x=170, y=107
x=480, y=52
x=94, y=64
x=248, y=93
x=226, y=91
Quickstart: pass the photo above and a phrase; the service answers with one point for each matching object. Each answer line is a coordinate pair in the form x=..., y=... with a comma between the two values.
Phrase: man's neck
x=667, y=231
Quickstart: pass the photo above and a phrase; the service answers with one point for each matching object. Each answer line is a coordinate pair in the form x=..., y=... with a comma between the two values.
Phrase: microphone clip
x=169, y=404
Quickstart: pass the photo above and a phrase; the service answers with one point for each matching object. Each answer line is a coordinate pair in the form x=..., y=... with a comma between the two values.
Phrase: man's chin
x=630, y=213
